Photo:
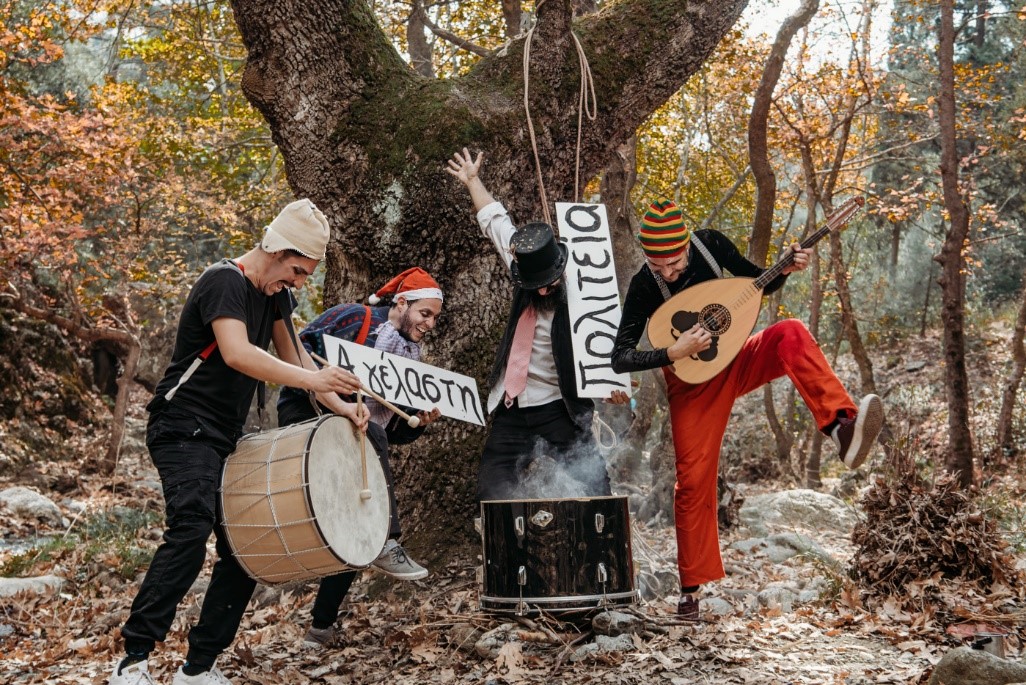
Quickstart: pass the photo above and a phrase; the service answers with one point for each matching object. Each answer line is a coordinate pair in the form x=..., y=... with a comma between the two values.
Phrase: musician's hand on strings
x=464, y=166
x=692, y=341
x=801, y=258
x=333, y=379
x=427, y=417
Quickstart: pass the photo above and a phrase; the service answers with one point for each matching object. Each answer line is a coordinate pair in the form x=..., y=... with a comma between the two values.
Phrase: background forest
x=131, y=157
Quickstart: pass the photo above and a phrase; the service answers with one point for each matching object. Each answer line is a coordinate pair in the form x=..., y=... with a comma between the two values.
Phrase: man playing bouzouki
x=675, y=260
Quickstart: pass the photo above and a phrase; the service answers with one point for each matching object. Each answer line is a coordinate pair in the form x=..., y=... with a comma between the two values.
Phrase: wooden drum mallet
x=412, y=421
x=365, y=493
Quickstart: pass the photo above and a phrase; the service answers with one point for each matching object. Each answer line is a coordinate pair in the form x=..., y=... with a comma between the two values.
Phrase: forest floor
x=424, y=632
x=412, y=632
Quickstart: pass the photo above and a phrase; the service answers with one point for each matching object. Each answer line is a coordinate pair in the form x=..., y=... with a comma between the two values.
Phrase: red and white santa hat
x=412, y=284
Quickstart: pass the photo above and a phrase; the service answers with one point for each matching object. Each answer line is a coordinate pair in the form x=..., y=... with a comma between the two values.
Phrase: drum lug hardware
x=600, y=522
x=603, y=578
x=542, y=518
x=518, y=526
x=521, y=581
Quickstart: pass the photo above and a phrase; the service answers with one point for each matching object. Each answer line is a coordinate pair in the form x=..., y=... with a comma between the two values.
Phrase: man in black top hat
x=533, y=391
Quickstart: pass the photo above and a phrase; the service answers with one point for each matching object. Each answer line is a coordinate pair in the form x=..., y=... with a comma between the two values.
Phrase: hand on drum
x=334, y=379
x=427, y=417
x=360, y=416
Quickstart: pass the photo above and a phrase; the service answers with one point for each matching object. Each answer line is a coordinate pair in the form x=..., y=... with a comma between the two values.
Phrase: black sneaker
x=855, y=437
x=687, y=607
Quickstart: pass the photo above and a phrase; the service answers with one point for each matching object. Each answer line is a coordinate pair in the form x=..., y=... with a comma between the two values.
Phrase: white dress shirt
x=542, y=381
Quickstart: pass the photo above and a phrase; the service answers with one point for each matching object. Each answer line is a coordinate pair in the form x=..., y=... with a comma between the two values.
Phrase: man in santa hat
x=397, y=327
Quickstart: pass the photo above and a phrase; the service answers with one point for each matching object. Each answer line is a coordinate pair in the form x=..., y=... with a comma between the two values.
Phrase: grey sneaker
x=318, y=637
x=136, y=674
x=855, y=437
x=393, y=561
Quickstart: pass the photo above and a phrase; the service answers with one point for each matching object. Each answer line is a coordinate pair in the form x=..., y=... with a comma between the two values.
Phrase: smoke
x=546, y=473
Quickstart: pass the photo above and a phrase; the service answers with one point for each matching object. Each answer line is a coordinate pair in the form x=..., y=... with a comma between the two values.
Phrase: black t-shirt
x=216, y=391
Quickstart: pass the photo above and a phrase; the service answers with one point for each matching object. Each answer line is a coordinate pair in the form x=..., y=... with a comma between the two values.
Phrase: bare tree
x=758, y=149
x=952, y=261
x=1005, y=444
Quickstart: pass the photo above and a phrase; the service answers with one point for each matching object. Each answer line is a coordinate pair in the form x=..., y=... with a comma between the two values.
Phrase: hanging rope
x=587, y=103
x=530, y=127
x=587, y=86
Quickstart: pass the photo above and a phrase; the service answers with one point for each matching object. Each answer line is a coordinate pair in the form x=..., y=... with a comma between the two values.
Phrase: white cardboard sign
x=404, y=381
x=592, y=296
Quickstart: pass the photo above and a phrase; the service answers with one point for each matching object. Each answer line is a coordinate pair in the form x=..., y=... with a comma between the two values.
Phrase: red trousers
x=699, y=415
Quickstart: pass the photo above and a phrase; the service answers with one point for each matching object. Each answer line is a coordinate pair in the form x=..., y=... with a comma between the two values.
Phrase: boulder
x=790, y=509
x=967, y=666
x=615, y=623
x=30, y=504
x=41, y=585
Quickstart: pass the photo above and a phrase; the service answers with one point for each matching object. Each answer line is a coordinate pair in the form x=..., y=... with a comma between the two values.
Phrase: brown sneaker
x=855, y=437
x=687, y=607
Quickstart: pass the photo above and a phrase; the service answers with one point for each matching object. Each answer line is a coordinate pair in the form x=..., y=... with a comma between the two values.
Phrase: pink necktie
x=520, y=355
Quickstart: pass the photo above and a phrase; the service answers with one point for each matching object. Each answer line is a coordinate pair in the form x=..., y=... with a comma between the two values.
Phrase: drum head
x=354, y=528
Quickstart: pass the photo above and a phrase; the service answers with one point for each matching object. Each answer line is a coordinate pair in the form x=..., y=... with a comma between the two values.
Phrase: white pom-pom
x=373, y=299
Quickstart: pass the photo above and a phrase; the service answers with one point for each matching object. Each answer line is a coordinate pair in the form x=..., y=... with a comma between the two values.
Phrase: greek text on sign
x=592, y=296
x=406, y=382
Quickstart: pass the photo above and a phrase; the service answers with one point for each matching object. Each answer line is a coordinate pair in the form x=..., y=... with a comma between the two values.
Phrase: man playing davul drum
x=235, y=309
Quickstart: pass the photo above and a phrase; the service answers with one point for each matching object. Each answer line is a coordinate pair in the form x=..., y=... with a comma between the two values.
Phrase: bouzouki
x=726, y=307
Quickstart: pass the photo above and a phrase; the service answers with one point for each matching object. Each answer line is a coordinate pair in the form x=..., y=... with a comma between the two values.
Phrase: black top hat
x=538, y=259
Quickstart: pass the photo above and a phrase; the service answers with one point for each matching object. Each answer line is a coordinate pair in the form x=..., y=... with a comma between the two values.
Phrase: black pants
x=189, y=452
x=333, y=589
x=519, y=435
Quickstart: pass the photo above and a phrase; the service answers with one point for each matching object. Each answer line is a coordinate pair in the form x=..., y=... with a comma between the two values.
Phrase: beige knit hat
x=300, y=227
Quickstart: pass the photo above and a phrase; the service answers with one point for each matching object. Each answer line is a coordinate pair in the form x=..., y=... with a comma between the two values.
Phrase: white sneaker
x=211, y=677
x=136, y=674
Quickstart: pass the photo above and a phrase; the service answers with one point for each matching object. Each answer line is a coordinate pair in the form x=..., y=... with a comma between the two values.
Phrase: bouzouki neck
x=837, y=219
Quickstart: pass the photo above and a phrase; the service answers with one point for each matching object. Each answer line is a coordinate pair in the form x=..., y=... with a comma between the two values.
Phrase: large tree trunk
x=956, y=380
x=366, y=138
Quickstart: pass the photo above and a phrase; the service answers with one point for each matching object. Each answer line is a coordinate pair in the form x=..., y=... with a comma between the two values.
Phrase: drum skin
x=291, y=502
x=556, y=555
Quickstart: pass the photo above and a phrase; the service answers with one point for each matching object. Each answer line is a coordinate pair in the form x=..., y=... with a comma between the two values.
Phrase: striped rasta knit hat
x=663, y=233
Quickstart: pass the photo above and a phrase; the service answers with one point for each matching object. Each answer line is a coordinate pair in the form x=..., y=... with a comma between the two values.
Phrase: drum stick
x=365, y=493
x=413, y=421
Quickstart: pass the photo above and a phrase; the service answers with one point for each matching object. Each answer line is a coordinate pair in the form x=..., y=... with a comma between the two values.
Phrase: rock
x=658, y=584
x=796, y=508
x=30, y=504
x=6, y=630
x=41, y=585
x=778, y=598
x=783, y=546
x=490, y=644
x=717, y=606
x=914, y=366
x=615, y=623
x=604, y=643
x=967, y=666
x=464, y=636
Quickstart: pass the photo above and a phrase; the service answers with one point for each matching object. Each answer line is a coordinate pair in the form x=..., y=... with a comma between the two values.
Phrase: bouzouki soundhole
x=715, y=318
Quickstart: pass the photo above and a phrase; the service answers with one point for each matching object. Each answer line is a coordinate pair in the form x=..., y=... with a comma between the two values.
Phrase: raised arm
x=465, y=168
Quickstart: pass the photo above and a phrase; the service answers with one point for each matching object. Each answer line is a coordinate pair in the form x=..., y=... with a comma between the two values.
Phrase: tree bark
x=1005, y=443
x=952, y=261
x=416, y=39
x=758, y=123
x=366, y=138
